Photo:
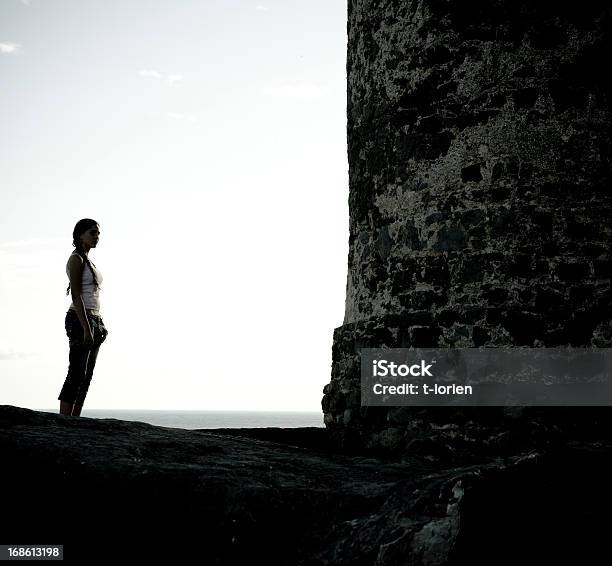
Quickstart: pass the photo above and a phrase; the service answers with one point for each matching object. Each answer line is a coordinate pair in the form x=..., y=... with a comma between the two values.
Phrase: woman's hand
x=88, y=336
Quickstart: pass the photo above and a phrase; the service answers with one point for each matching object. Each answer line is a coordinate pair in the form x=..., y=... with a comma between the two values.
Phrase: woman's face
x=90, y=236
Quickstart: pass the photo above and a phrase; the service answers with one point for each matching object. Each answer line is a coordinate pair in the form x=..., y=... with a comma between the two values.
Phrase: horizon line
x=194, y=410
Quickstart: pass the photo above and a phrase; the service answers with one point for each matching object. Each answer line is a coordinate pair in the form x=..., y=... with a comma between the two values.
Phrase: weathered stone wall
x=479, y=167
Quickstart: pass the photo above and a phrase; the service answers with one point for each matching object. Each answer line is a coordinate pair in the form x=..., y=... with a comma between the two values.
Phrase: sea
x=209, y=419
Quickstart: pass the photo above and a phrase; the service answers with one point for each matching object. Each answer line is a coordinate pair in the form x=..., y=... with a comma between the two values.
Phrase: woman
x=84, y=325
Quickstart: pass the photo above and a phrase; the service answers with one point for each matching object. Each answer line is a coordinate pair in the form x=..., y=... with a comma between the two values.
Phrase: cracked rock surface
x=109, y=488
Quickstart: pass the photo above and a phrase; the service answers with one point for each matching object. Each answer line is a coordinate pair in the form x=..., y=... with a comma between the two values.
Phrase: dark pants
x=82, y=357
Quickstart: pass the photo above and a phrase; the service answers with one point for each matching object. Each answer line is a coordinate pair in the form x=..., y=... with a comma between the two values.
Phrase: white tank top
x=89, y=292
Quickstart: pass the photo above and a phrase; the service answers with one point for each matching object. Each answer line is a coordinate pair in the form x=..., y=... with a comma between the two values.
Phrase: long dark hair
x=82, y=226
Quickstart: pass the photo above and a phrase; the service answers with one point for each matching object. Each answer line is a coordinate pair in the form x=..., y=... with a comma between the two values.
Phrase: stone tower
x=479, y=168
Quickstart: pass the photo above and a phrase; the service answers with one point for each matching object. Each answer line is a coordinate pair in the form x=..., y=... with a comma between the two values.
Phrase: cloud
x=26, y=264
x=8, y=353
x=26, y=2
x=32, y=242
x=262, y=8
x=152, y=74
x=174, y=78
x=181, y=116
x=296, y=90
x=9, y=47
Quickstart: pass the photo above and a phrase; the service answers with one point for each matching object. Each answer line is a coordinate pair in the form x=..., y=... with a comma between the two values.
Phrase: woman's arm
x=75, y=269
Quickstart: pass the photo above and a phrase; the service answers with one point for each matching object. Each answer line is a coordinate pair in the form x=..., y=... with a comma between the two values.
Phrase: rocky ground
x=107, y=489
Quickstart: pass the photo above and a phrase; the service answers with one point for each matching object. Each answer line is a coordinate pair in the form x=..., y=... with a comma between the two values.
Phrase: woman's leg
x=86, y=381
x=77, y=369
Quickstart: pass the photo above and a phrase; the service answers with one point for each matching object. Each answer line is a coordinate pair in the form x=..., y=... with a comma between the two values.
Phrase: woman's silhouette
x=83, y=324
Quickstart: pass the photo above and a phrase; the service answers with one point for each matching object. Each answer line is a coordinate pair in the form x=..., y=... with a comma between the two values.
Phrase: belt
x=89, y=311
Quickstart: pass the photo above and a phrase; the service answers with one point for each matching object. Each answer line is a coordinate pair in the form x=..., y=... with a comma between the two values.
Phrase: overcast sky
x=208, y=139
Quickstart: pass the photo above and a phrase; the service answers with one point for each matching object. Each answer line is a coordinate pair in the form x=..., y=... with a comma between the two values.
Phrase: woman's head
x=84, y=237
x=85, y=234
